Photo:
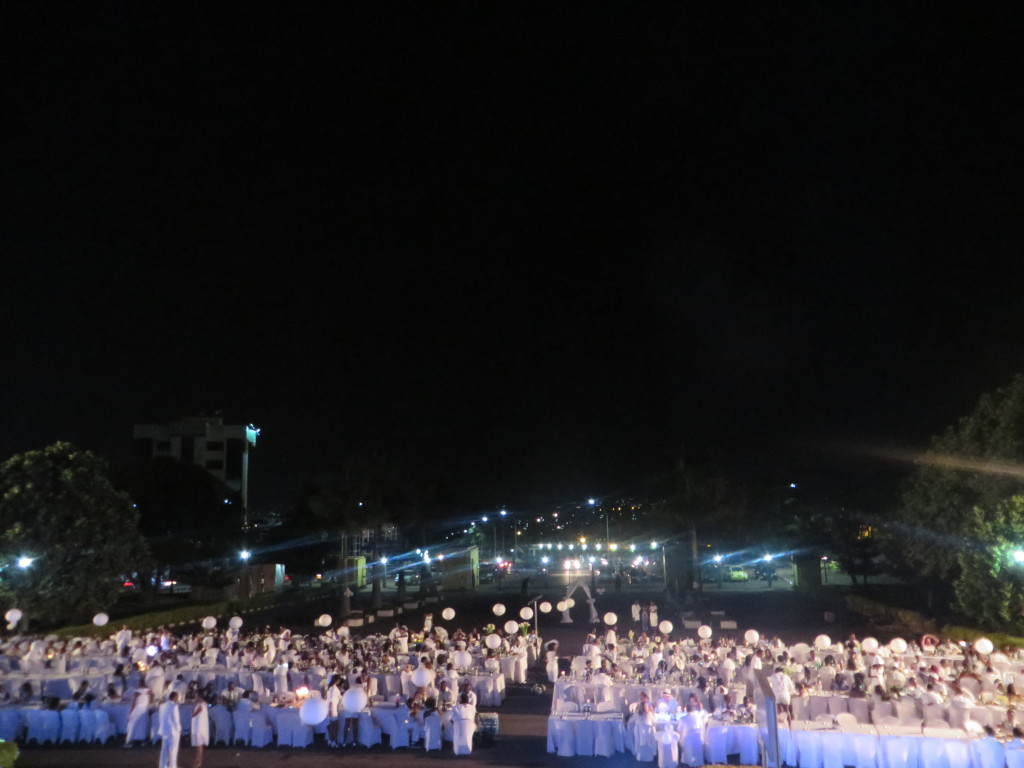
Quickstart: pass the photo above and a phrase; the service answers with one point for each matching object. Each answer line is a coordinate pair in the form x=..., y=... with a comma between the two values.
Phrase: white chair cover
x=645, y=746
x=43, y=726
x=693, y=747
x=242, y=721
x=463, y=740
x=220, y=721
x=859, y=709
x=260, y=732
x=668, y=749
x=716, y=742
x=69, y=721
x=1015, y=754
x=87, y=725
x=368, y=732
x=432, y=731
x=104, y=726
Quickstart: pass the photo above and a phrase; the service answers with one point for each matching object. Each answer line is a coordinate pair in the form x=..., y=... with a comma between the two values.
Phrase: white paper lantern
x=984, y=646
x=421, y=677
x=526, y=613
x=611, y=619
x=499, y=609
x=545, y=607
x=751, y=636
x=492, y=641
x=313, y=712
x=869, y=645
x=511, y=626
x=822, y=642
x=209, y=622
x=235, y=622
x=562, y=605
x=571, y=603
x=448, y=614
x=666, y=627
x=898, y=645
x=14, y=615
x=704, y=631
x=324, y=620
x=100, y=619
x=462, y=659
x=354, y=699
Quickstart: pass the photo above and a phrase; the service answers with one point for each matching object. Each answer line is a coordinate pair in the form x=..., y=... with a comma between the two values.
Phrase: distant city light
x=245, y=554
x=591, y=502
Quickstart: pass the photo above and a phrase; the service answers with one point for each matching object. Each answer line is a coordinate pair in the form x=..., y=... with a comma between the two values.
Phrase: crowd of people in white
x=428, y=681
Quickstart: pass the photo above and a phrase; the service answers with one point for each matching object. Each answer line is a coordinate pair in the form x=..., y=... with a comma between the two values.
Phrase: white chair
x=846, y=719
x=693, y=747
x=606, y=706
x=860, y=710
x=105, y=727
x=645, y=745
x=86, y=725
x=302, y=734
x=43, y=726
x=260, y=732
x=837, y=704
x=668, y=749
x=1015, y=754
x=906, y=711
x=568, y=706
x=432, y=732
x=69, y=722
x=220, y=720
x=932, y=712
x=241, y=719
x=10, y=727
x=716, y=741
x=816, y=705
x=368, y=732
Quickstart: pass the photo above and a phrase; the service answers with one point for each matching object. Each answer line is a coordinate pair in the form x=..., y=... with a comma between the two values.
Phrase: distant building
x=206, y=441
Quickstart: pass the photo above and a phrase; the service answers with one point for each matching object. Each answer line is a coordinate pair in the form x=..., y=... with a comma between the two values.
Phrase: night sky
x=537, y=251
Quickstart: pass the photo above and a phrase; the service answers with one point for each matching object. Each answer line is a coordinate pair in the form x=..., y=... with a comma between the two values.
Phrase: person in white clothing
x=199, y=734
x=783, y=688
x=140, y=709
x=464, y=720
x=169, y=731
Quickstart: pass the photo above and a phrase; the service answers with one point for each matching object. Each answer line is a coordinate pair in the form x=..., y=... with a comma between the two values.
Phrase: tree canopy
x=58, y=507
x=975, y=464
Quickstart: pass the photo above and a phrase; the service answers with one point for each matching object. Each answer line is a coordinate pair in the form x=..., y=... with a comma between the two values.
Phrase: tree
x=58, y=506
x=974, y=464
x=990, y=585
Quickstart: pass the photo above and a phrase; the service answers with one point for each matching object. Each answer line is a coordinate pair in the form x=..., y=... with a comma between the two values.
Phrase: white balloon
x=898, y=645
x=751, y=636
x=448, y=614
x=984, y=646
x=511, y=626
x=526, y=613
x=822, y=642
x=545, y=607
x=313, y=711
x=152, y=650
x=354, y=699
x=869, y=644
x=499, y=609
x=209, y=622
x=562, y=605
x=492, y=641
x=421, y=677
x=235, y=622
x=462, y=659
x=666, y=627
x=100, y=619
x=610, y=619
x=324, y=620
x=14, y=615
x=704, y=631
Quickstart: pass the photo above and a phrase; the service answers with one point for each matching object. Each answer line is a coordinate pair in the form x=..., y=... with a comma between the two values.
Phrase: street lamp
x=25, y=562
x=245, y=554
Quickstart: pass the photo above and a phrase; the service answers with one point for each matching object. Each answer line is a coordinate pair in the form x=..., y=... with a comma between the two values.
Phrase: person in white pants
x=170, y=731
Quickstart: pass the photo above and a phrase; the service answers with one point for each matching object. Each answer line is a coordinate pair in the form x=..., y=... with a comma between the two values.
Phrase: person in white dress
x=199, y=735
x=551, y=660
x=464, y=718
x=169, y=731
x=140, y=709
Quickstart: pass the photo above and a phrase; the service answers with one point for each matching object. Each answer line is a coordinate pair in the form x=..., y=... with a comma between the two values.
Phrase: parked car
x=737, y=573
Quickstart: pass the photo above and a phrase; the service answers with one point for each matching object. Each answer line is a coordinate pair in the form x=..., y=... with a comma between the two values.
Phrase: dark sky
x=531, y=249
